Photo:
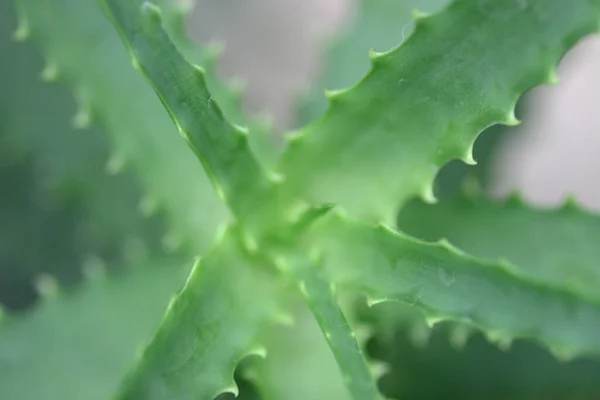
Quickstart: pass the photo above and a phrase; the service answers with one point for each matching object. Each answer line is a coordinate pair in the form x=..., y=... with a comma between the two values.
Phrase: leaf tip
x=427, y=194
x=171, y=242
x=94, y=269
x=511, y=118
x=419, y=334
x=23, y=31
x=49, y=72
x=151, y=11
x=115, y=164
x=459, y=335
x=333, y=95
x=375, y=56
x=147, y=206
x=82, y=118
x=373, y=301
x=47, y=286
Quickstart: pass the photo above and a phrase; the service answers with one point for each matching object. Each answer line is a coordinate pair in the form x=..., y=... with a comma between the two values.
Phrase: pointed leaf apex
x=511, y=118
x=418, y=15
x=571, y=203
x=215, y=49
x=151, y=11
x=375, y=55
x=427, y=195
x=432, y=321
x=284, y=318
x=373, y=301
x=82, y=119
x=379, y=369
x=468, y=157
x=147, y=206
x=459, y=335
x=49, y=73
x=22, y=32
x=171, y=242
x=552, y=77
x=333, y=94
x=47, y=286
x=115, y=164
x=419, y=334
x=94, y=269
x=237, y=86
x=258, y=350
x=233, y=389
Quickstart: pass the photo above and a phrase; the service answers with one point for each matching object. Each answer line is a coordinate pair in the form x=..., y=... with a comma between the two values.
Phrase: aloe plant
x=320, y=258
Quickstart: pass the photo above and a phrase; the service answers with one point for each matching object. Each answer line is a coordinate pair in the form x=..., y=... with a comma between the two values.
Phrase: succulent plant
x=337, y=259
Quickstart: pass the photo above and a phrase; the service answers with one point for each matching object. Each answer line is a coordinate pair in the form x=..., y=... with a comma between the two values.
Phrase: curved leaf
x=556, y=246
x=212, y=324
x=449, y=285
x=221, y=147
x=229, y=96
x=318, y=292
x=378, y=25
x=424, y=103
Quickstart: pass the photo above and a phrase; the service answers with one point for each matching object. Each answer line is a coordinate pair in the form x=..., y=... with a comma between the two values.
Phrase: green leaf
x=229, y=96
x=221, y=147
x=447, y=284
x=378, y=25
x=314, y=373
x=318, y=292
x=83, y=50
x=56, y=196
x=79, y=345
x=441, y=370
x=208, y=329
x=424, y=103
x=558, y=246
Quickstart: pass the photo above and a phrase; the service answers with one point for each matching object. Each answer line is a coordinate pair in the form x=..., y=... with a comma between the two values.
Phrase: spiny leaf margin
x=424, y=103
x=447, y=284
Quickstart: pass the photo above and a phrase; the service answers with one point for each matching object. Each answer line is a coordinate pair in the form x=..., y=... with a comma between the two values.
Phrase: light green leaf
x=229, y=96
x=318, y=292
x=449, y=285
x=221, y=147
x=424, y=103
x=313, y=374
x=79, y=345
x=83, y=50
x=558, y=246
x=210, y=326
x=378, y=25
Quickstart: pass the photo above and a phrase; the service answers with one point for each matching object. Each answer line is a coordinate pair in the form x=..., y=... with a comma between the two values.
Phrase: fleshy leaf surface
x=558, y=246
x=378, y=25
x=208, y=329
x=318, y=293
x=301, y=340
x=447, y=284
x=221, y=147
x=79, y=345
x=424, y=103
